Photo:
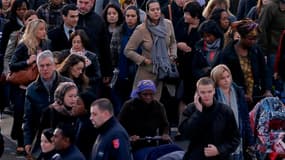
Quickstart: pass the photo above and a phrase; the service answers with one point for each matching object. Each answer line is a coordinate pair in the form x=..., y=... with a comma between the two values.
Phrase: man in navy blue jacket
x=64, y=137
x=112, y=142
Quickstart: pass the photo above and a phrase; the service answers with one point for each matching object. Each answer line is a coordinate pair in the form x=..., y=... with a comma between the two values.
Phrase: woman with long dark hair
x=113, y=17
x=80, y=42
x=124, y=66
x=74, y=67
x=156, y=38
x=16, y=22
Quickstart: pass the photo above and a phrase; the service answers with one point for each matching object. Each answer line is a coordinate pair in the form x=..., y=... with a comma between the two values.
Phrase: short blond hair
x=205, y=81
x=217, y=72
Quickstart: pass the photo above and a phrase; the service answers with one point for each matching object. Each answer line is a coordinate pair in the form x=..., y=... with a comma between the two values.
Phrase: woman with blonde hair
x=34, y=40
x=35, y=37
x=229, y=93
x=212, y=4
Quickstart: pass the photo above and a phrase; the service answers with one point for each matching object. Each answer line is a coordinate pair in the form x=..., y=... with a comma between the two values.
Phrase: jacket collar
x=40, y=86
x=108, y=124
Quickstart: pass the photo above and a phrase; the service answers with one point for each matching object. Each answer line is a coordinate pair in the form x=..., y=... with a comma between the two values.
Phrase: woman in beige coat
x=157, y=41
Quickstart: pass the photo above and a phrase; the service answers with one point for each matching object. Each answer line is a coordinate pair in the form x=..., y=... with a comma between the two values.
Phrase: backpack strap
x=169, y=9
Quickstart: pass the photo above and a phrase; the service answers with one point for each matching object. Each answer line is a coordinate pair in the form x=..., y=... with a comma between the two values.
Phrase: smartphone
x=200, y=100
x=199, y=97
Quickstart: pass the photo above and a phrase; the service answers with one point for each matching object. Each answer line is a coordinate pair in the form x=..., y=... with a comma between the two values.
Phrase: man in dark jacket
x=112, y=142
x=209, y=125
x=64, y=136
x=272, y=23
x=39, y=95
x=51, y=13
x=59, y=36
x=98, y=35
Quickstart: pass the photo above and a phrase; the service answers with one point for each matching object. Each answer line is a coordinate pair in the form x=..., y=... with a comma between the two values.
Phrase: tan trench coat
x=143, y=38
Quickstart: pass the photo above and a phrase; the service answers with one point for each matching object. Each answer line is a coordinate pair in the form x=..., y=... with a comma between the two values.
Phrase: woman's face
x=225, y=80
x=112, y=16
x=77, y=69
x=79, y=109
x=32, y=17
x=154, y=12
x=131, y=18
x=41, y=31
x=248, y=41
x=224, y=21
x=77, y=44
x=209, y=38
x=264, y=2
x=6, y=4
x=70, y=97
x=21, y=11
x=46, y=145
x=147, y=96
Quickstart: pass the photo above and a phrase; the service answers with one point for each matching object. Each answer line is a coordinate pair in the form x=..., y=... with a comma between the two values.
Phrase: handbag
x=170, y=77
x=23, y=77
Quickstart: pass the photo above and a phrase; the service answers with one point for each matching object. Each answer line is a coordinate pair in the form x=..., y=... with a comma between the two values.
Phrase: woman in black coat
x=247, y=63
x=15, y=23
x=33, y=41
x=47, y=146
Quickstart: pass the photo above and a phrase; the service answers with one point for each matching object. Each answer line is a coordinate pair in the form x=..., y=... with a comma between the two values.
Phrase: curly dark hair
x=211, y=27
x=245, y=26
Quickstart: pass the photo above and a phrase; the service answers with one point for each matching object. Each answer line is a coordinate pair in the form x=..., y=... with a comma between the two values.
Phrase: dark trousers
x=18, y=99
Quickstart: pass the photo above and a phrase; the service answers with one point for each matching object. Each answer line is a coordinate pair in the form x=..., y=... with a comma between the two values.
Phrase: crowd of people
x=111, y=73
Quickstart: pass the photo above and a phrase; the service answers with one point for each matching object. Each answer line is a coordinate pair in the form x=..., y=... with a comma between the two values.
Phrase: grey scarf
x=159, y=50
x=214, y=46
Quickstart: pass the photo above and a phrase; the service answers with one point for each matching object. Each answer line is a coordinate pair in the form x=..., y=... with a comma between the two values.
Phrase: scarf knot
x=159, y=50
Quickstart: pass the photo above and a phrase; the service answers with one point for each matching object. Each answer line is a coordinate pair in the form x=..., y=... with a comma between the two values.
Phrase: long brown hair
x=69, y=62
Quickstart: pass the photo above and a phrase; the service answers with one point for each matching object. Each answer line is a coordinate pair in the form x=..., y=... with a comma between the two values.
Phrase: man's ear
x=66, y=139
x=63, y=17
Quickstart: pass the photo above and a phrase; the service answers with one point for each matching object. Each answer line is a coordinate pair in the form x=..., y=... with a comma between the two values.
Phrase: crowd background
x=108, y=47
